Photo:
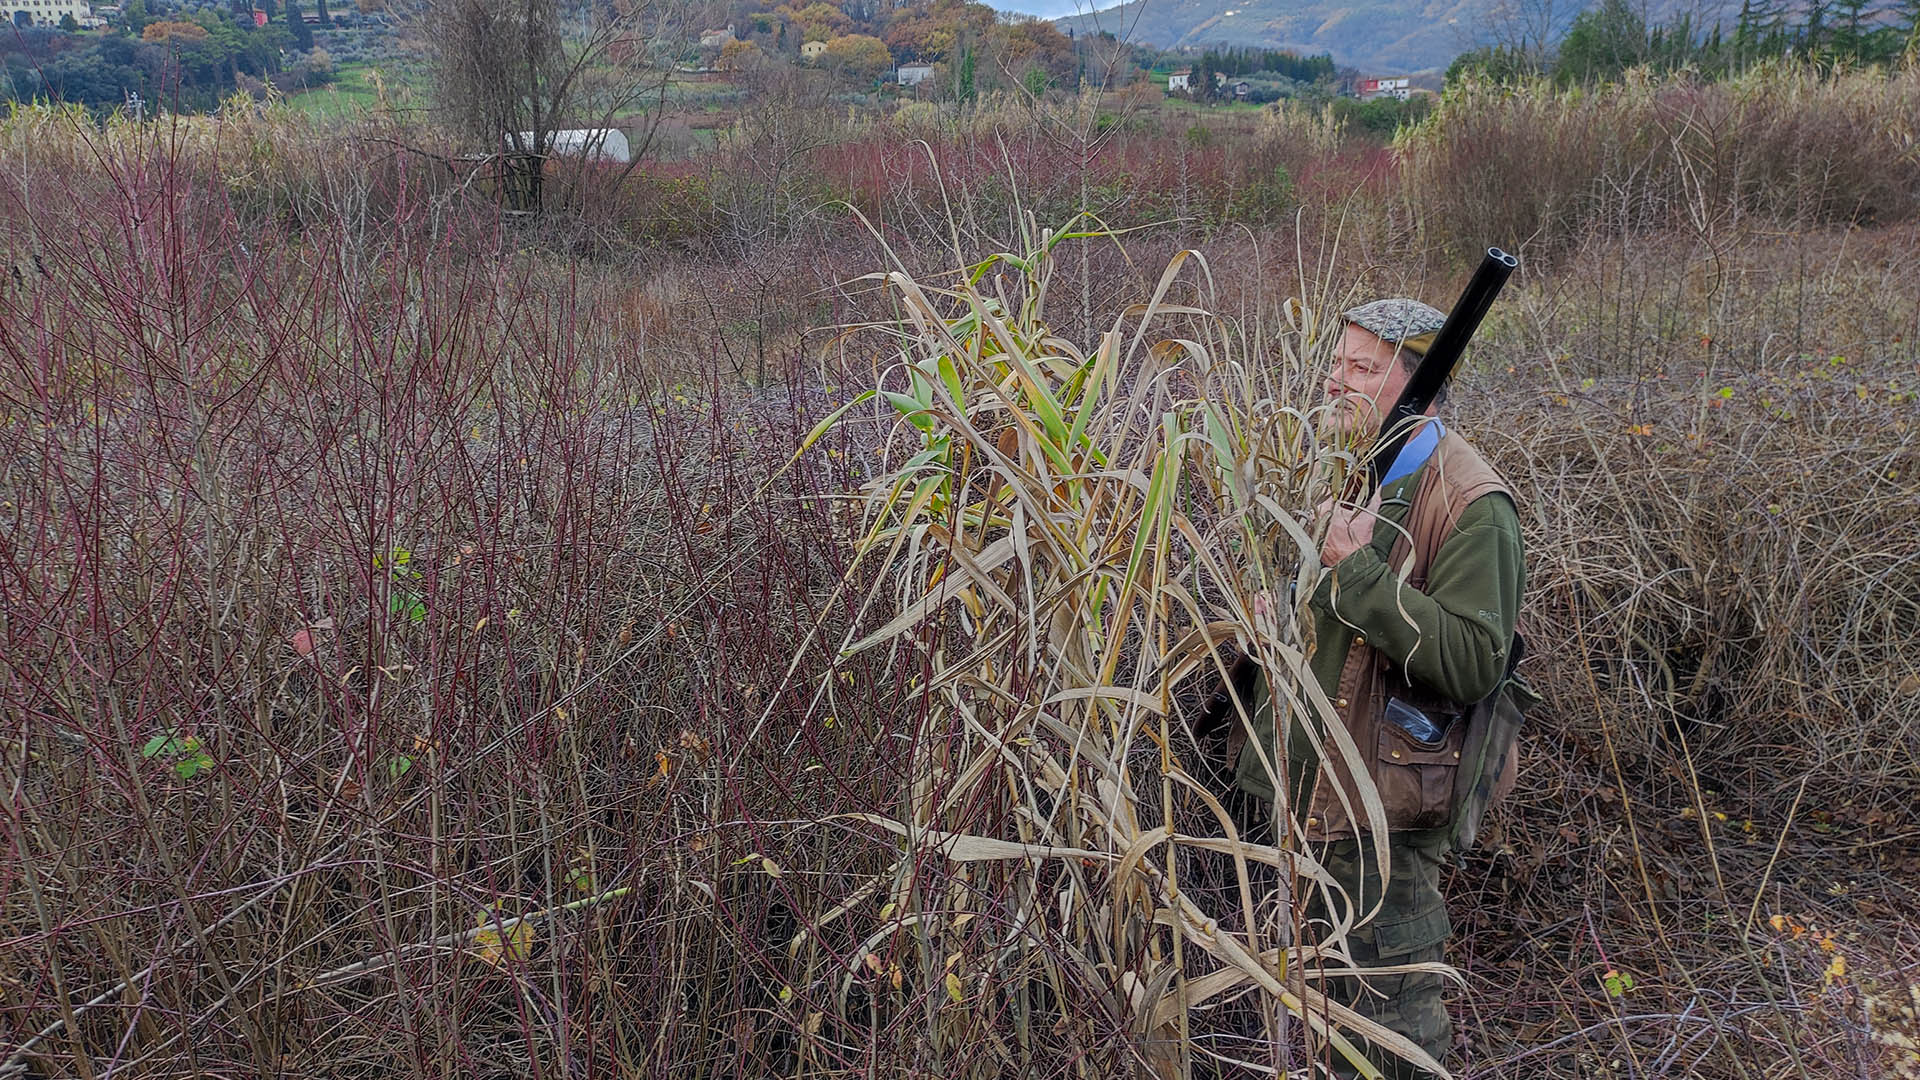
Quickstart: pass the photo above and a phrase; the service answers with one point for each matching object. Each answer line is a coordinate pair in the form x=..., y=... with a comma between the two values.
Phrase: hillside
x=1374, y=36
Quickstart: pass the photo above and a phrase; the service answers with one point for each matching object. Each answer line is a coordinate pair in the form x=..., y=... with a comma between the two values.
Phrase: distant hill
x=1377, y=36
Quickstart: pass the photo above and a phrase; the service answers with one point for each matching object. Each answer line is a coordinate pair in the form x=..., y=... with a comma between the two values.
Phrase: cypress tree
x=297, y=25
x=1813, y=35
x=964, y=89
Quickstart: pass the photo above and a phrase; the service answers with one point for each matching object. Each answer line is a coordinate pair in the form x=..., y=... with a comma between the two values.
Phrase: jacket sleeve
x=1454, y=637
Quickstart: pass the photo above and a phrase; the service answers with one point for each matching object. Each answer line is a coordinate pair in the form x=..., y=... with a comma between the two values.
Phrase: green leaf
x=1091, y=391
x=951, y=377
x=409, y=604
x=1158, y=502
x=398, y=764
x=913, y=410
x=922, y=384
x=832, y=418
x=1617, y=983
x=189, y=758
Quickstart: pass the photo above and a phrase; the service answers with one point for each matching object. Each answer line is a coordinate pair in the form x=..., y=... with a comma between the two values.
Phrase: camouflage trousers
x=1411, y=927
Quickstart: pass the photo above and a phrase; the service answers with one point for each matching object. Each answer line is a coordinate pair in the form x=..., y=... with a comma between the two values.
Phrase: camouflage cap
x=1409, y=323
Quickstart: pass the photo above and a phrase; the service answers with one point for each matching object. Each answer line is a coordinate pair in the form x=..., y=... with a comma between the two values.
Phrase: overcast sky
x=1051, y=9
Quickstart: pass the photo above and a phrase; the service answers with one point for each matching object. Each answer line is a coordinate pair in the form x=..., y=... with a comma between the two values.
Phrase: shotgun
x=1432, y=373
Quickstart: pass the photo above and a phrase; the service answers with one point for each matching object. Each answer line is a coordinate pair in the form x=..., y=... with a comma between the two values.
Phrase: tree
x=508, y=74
x=320, y=9
x=1035, y=43
x=1850, y=38
x=1813, y=33
x=937, y=31
x=965, y=91
x=820, y=22
x=859, y=55
x=169, y=30
x=1602, y=43
x=297, y=26
x=1200, y=85
x=1527, y=29
x=1035, y=82
x=1905, y=31
x=736, y=55
x=68, y=23
x=1495, y=63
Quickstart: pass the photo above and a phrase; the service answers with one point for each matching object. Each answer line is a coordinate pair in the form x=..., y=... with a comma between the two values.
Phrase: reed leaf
x=1104, y=522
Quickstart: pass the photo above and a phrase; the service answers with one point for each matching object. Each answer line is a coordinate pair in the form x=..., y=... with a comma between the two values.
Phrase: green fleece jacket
x=1463, y=621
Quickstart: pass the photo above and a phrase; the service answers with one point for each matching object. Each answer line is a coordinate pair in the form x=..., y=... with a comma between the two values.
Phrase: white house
x=1180, y=80
x=1394, y=87
x=714, y=39
x=608, y=144
x=46, y=12
x=913, y=74
x=813, y=50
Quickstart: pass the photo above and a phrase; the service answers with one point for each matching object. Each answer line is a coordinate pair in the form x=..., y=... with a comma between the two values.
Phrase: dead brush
x=1067, y=534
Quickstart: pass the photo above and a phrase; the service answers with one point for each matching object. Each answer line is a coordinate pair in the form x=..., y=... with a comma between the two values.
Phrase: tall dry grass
x=296, y=781
x=1068, y=536
x=1783, y=144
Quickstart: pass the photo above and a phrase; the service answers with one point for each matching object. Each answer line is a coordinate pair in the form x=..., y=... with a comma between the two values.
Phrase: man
x=1401, y=661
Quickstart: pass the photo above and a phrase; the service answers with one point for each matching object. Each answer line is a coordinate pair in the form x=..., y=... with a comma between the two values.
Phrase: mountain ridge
x=1379, y=37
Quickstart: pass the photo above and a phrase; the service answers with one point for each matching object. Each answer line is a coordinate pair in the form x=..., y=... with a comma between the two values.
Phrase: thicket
x=1609, y=39
x=1781, y=144
x=418, y=637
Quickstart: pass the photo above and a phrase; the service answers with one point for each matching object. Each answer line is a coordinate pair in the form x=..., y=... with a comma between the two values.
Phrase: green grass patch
x=351, y=91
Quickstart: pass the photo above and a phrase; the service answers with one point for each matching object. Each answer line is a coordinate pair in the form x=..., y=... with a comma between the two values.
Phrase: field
x=351, y=91
x=422, y=627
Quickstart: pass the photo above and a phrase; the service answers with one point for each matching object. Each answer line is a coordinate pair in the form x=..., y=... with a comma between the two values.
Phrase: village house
x=1180, y=80
x=913, y=74
x=714, y=39
x=1230, y=86
x=1393, y=87
x=45, y=12
x=813, y=50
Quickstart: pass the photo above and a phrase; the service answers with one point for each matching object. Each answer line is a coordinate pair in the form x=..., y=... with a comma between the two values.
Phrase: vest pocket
x=1416, y=778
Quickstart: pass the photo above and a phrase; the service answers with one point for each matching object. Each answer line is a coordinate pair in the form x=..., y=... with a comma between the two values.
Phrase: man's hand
x=1349, y=528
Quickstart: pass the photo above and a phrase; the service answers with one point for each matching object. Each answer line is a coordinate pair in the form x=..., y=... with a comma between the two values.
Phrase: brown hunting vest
x=1415, y=781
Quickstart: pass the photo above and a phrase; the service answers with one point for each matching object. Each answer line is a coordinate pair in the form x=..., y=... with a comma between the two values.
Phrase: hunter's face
x=1365, y=381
